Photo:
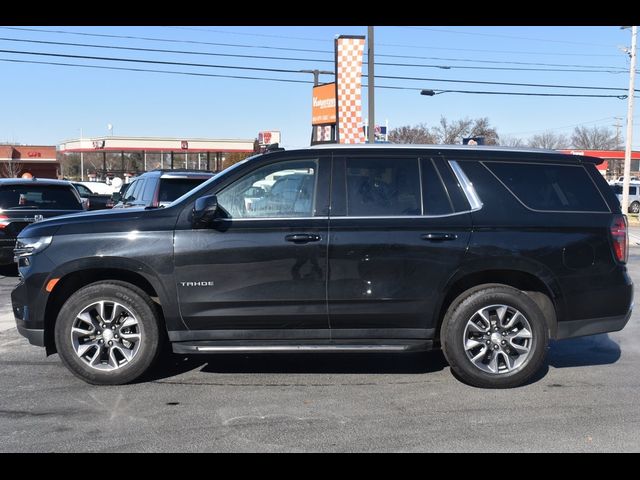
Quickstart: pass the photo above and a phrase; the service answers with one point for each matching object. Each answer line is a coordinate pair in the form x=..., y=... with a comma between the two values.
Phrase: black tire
x=138, y=303
x=634, y=207
x=463, y=308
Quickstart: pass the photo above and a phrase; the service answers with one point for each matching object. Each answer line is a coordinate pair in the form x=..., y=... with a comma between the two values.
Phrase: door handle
x=302, y=237
x=438, y=237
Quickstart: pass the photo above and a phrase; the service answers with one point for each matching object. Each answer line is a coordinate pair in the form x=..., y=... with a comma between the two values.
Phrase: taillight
x=4, y=221
x=620, y=238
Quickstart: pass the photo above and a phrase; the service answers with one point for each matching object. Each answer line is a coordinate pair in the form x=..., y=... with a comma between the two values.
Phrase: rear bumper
x=592, y=326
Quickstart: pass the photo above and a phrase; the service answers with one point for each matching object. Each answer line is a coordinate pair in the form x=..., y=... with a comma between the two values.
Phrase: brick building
x=29, y=161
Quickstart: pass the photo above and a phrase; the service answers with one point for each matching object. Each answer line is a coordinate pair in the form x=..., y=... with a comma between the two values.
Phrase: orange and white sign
x=349, y=52
x=323, y=108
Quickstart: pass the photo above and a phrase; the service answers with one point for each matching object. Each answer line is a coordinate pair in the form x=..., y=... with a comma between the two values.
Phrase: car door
x=260, y=270
x=398, y=230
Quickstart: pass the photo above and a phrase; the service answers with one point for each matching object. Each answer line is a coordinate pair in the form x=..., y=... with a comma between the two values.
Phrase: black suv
x=24, y=201
x=484, y=252
x=158, y=188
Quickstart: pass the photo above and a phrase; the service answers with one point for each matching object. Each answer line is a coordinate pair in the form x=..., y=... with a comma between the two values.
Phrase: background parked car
x=158, y=188
x=92, y=200
x=634, y=195
x=26, y=201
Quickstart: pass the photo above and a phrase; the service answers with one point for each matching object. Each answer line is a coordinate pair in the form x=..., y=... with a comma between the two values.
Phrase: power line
x=559, y=128
x=197, y=42
x=146, y=70
x=198, y=74
x=283, y=70
x=529, y=94
x=497, y=35
x=229, y=32
x=298, y=59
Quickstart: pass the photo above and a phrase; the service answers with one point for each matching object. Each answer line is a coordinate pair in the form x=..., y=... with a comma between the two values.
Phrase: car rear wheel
x=634, y=207
x=107, y=333
x=494, y=336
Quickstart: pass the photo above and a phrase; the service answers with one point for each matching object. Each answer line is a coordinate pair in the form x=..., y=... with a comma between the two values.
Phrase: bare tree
x=408, y=134
x=509, y=141
x=11, y=169
x=549, y=140
x=452, y=132
x=594, y=138
x=481, y=128
x=446, y=132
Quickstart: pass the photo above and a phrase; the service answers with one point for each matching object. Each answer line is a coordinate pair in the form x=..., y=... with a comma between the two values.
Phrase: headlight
x=29, y=245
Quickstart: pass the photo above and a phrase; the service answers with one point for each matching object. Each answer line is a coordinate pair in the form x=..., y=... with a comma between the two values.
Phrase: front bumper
x=28, y=326
x=6, y=250
x=34, y=335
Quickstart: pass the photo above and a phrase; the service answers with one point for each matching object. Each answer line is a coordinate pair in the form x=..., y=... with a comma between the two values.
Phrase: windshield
x=41, y=197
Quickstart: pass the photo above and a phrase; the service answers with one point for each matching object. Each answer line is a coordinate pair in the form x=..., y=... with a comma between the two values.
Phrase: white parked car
x=634, y=194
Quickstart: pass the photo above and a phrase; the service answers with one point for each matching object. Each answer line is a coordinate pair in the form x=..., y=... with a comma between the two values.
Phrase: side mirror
x=205, y=210
x=116, y=197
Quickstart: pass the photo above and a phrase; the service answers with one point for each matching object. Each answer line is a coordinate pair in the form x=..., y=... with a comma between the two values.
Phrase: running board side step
x=247, y=347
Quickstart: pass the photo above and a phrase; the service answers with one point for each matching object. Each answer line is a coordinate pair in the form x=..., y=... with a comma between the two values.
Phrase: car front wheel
x=107, y=333
x=494, y=336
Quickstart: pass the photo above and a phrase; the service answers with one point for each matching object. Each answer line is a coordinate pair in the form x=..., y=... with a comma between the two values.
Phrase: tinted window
x=383, y=187
x=133, y=191
x=48, y=197
x=435, y=198
x=82, y=190
x=172, y=188
x=149, y=191
x=550, y=187
x=283, y=189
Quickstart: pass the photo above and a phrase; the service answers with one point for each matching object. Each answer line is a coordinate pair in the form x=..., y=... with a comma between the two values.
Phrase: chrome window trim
x=467, y=186
x=346, y=217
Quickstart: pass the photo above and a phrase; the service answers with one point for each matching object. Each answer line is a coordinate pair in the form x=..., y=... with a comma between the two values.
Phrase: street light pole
x=627, y=150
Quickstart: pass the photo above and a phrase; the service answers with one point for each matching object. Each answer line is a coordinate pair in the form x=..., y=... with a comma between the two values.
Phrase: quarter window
x=284, y=189
x=383, y=187
x=550, y=187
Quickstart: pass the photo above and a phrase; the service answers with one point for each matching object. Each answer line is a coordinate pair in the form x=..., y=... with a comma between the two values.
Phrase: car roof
x=521, y=153
x=33, y=181
x=178, y=173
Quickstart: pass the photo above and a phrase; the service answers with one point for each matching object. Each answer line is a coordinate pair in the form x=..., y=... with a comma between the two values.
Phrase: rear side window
x=383, y=187
x=172, y=188
x=550, y=187
x=435, y=199
x=47, y=197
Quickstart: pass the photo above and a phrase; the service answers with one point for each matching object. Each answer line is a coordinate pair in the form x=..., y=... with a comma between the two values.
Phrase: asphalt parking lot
x=584, y=400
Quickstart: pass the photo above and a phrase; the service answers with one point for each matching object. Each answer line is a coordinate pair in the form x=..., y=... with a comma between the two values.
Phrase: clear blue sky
x=45, y=104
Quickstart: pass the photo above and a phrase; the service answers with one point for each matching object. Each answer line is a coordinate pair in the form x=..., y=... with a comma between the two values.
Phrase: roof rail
x=273, y=147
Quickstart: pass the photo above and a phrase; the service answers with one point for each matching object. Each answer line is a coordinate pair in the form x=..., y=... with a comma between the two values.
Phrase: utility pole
x=617, y=126
x=370, y=82
x=81, y=158
x=316, y=74
x=627, y=150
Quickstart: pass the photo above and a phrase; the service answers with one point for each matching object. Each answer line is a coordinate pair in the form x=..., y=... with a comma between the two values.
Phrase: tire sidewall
x=139, y=306
x=452, y=336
